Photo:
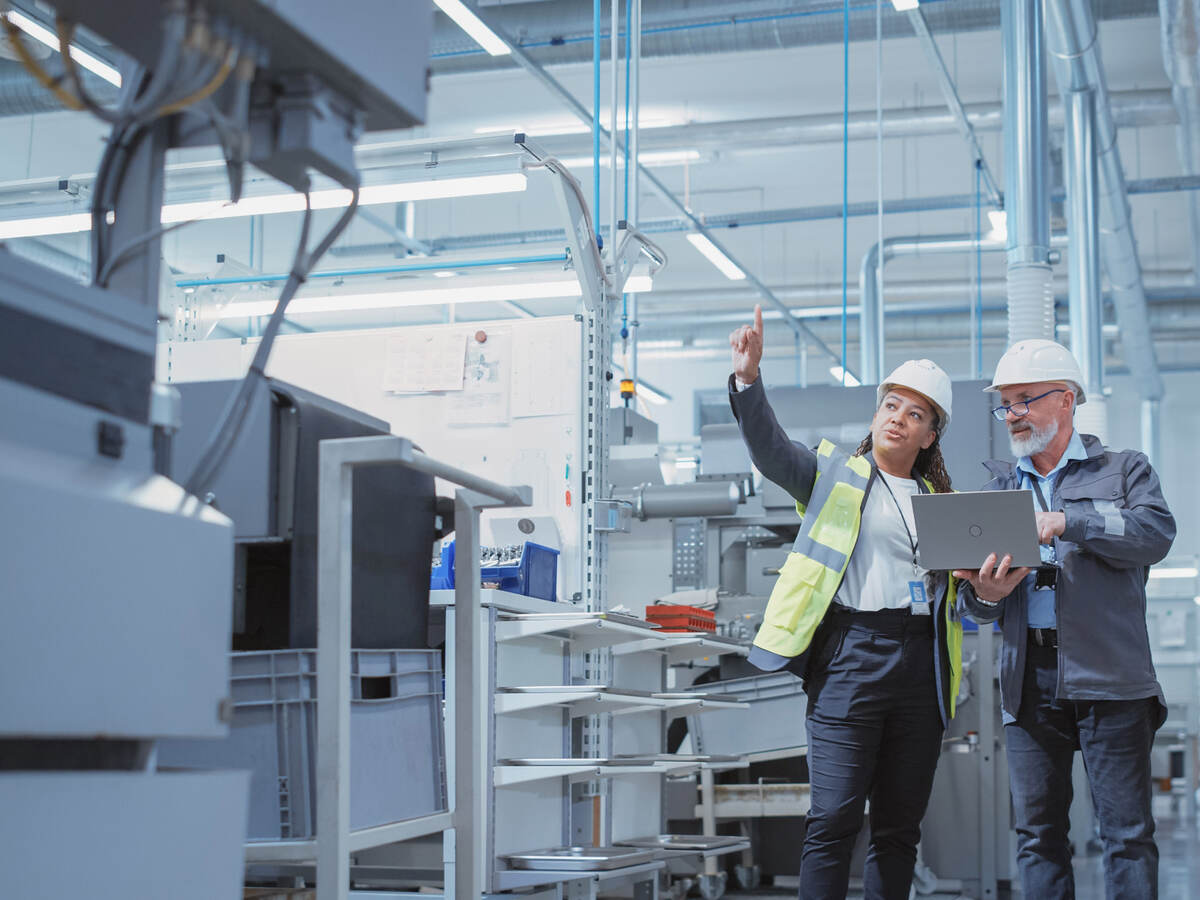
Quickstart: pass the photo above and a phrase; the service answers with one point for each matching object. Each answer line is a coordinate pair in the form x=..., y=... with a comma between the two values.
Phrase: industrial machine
x=119, y=580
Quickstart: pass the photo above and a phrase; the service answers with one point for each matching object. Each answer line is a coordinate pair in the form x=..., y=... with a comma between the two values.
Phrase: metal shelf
x=508, y=776
x=583, y=702
x=681, y=647
x=585, y=631
x=359, y=839
x=514, y=879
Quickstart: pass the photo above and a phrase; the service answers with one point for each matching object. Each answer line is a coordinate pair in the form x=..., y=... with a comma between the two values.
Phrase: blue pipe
x=845, y=168
x=596, y=116
x=376, y=270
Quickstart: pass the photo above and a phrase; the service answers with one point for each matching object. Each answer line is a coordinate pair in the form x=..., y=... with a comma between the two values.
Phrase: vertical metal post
x=334, y=535
x=470, y=751
x=614, y=88
x=708, y=822
x=635, y=86
x=986, y=701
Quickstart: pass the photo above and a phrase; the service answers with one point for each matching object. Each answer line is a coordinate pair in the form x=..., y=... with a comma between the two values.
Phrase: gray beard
x=1033, y=441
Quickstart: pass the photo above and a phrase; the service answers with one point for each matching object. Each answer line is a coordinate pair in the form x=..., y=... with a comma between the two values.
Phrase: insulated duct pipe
x=696, y=499
x=1181, y=58
x=1075, y=52
x=871, y=348
x=1083, y=256
x=1027, y=162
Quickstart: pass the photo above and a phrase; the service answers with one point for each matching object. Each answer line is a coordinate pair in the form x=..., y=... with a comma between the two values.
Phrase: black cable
x=216, y=451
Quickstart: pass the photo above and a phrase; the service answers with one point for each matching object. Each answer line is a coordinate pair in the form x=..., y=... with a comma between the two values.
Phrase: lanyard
x=912, y=541
x=1041, y=498
x=1037, y=490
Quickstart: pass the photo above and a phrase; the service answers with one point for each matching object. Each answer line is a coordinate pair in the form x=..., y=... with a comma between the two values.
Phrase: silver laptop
x=958, y=531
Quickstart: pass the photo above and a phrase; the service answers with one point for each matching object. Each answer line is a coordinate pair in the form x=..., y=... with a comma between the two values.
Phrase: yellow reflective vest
x=817, y=564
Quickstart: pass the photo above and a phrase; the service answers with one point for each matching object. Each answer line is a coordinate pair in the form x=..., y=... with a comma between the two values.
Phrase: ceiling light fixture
x=905, y=5
x=44, y=35
x=466, y=19
x=844, y=377
x=715, y=256
x=652, y=158
x=478, y=293
x=268, y=204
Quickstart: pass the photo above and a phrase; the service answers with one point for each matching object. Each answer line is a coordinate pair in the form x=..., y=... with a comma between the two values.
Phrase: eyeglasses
x=1021, y=407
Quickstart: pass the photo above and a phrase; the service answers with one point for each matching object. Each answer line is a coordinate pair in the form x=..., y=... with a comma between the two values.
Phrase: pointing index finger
x=758, y=325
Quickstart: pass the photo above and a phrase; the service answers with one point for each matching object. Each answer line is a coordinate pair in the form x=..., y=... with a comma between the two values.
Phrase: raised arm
x=790, y=465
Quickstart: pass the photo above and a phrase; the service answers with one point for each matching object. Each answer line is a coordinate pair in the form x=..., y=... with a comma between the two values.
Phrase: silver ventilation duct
x=1075, y=53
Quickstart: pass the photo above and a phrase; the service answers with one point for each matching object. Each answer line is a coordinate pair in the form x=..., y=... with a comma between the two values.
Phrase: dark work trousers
x=874, y=730
x=1115, y=738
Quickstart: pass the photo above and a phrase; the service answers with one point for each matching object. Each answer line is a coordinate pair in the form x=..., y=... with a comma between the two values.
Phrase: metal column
x=1083, y=229
x=1027, y=162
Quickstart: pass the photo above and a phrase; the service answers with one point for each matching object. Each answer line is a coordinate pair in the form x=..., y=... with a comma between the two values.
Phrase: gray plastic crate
x=397, y=756
x=774, y=721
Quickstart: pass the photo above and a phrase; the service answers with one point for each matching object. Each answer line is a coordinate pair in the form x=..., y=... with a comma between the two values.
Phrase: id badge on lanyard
x=918, y=598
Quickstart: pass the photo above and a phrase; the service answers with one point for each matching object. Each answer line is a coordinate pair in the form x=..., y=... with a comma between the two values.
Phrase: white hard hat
x=1034, y=360
x=926, y=378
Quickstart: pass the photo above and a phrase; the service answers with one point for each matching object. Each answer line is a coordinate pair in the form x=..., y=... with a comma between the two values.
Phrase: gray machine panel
x=372, y=52
x=118, y=589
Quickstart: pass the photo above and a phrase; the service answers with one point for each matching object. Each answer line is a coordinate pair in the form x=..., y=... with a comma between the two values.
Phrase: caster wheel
x=679, y=888
x=748, y=878
x=712, y=887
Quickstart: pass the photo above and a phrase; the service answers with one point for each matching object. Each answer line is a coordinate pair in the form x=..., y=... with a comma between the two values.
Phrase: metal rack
x=335, y=840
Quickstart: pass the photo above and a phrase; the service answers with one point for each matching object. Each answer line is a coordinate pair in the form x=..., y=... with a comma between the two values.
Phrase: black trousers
x=874, y=730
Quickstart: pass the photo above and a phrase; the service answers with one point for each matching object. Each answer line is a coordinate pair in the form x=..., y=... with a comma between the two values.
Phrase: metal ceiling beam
x=568, y=99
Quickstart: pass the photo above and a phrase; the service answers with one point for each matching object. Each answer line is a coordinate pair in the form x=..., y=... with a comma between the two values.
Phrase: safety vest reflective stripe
x=826, y=556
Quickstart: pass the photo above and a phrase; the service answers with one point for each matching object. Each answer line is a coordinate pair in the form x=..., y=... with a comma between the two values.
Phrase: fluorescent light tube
x=267, y=204
x=653, y=158
x=466, y=19
x=41, y=33
x=843, y=377
x=905, y=5
x=478, y=293
x=727, y=266
x=1176, y=572
x=67, y=224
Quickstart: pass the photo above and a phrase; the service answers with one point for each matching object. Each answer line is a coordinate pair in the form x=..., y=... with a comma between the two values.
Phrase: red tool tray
x=681, y=618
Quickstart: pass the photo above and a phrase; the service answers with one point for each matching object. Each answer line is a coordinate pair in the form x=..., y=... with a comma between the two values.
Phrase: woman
x=874, y=635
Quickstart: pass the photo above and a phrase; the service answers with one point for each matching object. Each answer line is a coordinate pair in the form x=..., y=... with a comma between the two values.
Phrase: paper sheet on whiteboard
x=484, y=399
x=425, y=360
x=541, y=385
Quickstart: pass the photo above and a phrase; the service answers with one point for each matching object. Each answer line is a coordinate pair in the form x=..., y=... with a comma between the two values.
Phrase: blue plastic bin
x=536, y=575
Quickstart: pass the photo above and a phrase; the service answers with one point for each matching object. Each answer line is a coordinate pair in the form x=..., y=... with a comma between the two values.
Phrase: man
x=1075, y=670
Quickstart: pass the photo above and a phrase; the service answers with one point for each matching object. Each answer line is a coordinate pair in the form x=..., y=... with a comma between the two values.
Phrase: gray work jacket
x=1118, y=525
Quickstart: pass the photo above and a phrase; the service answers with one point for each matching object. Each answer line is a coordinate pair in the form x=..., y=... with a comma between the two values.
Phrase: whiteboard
x=535, y=439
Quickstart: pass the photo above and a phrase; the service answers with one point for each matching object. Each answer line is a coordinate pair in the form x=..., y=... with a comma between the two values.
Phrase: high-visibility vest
x=817, y=564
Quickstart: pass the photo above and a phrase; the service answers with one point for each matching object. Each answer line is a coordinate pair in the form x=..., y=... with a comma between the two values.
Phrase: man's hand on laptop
x=994, y=582
x=1050, y=525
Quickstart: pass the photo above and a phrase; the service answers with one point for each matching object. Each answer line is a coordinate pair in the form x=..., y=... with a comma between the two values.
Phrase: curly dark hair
x=929, y=463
